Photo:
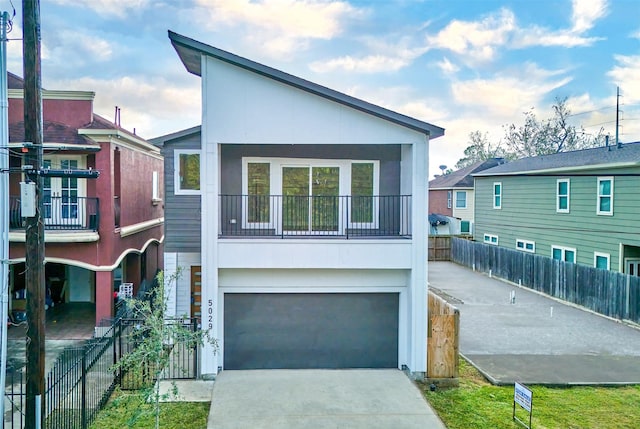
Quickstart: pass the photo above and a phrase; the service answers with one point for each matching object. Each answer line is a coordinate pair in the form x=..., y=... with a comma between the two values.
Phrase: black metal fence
x=606, y=292
x=61, y=213
x=82, y=379
x=286, y=216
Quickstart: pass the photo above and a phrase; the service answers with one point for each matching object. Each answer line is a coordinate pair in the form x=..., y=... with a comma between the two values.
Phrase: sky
x=463, y=65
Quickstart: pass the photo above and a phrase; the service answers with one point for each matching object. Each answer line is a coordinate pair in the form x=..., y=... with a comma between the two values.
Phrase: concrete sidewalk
x=318, y=399
x=537, y=340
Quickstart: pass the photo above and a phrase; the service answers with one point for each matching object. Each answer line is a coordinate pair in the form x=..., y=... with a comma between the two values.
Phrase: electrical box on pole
x=27, y=199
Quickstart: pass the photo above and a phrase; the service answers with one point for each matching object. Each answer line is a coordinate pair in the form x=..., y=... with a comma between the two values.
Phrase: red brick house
x=98, y=233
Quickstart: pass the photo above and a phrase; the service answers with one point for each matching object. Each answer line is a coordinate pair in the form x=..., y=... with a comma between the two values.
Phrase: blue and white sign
x=523, y=396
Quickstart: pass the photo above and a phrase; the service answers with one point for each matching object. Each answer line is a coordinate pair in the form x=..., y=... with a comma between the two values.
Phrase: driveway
x=536, y=340
x=318, y=399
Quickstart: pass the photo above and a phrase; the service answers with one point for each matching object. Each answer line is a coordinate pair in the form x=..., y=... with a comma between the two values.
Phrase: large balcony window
x=288, y=197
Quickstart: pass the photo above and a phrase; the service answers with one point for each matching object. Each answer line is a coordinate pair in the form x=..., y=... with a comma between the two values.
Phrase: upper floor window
x=601, y=260
x=497, y=195
x=605, y=196
x=186, y=172
x=461, y=199
x=562, y=195
x=155, y=186
x=566, y=254
x=448, y=199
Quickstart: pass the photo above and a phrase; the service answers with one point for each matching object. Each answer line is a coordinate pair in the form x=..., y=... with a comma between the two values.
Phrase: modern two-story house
x=310, y=210
x=452, y=194
x=579, y=207
x=99, y=232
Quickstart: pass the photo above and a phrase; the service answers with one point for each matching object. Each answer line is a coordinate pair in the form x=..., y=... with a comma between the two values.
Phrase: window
x=605, y=196
x=461, y=199
x=187, y=172
x=566, y=254
x=155, y=187
x=497, y=195
x=362, y=192
x=526, y=245
x=448, y=199
x=465, y=227
x=64, y=198
x=491, y=239
x=562, y=196
x=258, y=192
x=601, y=260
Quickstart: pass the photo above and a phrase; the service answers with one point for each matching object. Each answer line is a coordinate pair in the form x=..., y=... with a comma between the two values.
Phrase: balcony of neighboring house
x=315, y=216
x=67, y=217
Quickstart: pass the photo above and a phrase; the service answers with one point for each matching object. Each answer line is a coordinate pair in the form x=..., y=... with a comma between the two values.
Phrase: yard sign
x=523, y=396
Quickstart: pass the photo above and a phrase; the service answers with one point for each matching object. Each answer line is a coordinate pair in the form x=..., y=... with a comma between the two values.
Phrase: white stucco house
x=298, y=213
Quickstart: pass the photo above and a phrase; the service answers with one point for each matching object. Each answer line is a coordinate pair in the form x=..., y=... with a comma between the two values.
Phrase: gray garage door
x=288, y=330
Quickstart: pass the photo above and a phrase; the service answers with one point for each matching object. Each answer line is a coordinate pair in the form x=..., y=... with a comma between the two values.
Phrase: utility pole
x=4, y=200
x=34, y=226
x=617, y=114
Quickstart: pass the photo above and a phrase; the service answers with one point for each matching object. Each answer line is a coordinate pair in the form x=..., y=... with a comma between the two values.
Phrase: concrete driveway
x=318, y=399
x=537, y=339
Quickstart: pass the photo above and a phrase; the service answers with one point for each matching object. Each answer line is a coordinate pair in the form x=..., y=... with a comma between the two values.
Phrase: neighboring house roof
x=52, y=132
x=190, y=52
x=623, y=155
x=463, y=178
x=14, y=81
x=161, y=140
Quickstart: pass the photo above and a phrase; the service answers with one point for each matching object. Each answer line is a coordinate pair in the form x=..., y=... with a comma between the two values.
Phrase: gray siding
x=182, y=212
x=529, y=213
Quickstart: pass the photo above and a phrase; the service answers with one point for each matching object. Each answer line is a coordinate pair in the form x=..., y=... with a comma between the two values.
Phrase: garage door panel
x=311, y=331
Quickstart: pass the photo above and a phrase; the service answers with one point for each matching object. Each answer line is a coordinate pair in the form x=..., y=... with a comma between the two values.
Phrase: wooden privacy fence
x=439, y=247
x=442, y=341
x=610, y=293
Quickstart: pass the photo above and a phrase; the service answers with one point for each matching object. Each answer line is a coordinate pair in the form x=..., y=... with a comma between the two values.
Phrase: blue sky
x=462, y=65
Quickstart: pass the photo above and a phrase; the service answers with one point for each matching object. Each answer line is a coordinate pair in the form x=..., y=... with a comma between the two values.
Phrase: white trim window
x=563, y=189
x=566, y=254
x=526, y=245
x=299, y=196
x=602, y=260
x=605, y=196
x=497, y=195
x=155, y=187
x=186, y=175
x=449, y=199
x=461, y=199
x=491, y=239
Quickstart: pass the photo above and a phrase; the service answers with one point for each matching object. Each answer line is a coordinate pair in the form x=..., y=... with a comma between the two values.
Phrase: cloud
x=280, y=26
x=145, y=102
x=83, y=46
x=477, y=40
x=447, y=66
x=368, y=64
x=505, y=95
x=586, y=13
x=115, y=8
x=626, y=75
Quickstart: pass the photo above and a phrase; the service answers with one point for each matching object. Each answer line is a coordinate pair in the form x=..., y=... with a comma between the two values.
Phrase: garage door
x=283, y=330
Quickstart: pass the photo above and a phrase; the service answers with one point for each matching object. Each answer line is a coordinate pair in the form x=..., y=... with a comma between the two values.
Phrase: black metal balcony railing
x=286, y=216
x=60, y=213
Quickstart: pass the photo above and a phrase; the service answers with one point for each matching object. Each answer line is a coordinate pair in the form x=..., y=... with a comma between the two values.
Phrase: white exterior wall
x=240, y=107
x=178, y=292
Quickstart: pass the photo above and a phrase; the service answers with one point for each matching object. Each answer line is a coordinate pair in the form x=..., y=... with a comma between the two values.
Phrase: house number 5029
x=210, y=313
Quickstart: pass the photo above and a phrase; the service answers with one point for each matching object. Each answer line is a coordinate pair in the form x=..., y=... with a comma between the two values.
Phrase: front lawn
x=478, y=404
x=129, y=410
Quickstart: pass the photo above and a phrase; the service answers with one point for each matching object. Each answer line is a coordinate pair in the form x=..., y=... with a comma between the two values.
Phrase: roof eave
x=190, y=51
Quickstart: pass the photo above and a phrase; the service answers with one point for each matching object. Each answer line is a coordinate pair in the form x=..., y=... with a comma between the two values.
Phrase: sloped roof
x=463, y=178
x=14, y=81
x=612, y=156
x=52, y=132
x=190, y=52
x=161, y=140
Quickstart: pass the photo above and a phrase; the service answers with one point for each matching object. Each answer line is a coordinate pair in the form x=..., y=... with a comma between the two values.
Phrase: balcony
x=62, y=213
x=285, y=216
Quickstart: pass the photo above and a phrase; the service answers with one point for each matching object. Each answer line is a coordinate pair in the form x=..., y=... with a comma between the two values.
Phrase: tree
x=535, y=138
x=154, y=336
x=480, y=149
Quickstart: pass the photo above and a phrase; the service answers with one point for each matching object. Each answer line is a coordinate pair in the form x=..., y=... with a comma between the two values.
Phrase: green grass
x=129, y=410
x=478, y=404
